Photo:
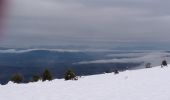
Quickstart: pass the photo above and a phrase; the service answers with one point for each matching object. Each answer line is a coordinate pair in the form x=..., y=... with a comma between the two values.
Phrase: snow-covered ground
x=145, y=84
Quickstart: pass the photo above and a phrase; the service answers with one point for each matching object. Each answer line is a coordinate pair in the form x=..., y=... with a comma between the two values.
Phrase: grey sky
x=51, y=21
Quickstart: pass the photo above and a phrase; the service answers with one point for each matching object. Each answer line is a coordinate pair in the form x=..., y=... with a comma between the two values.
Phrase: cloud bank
x=47, y=21
x=154, y=58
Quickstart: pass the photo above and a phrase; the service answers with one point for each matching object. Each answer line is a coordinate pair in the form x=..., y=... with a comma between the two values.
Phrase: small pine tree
x=17, y=78
x=164, y=63
x=46, y=75
x=36, y=78
x=70, y=75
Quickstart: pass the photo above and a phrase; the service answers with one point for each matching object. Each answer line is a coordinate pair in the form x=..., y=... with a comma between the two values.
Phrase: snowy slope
x=145, y=84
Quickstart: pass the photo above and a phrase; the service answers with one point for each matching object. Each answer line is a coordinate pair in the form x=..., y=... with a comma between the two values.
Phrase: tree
x=46, y=75
x=36, y=78
x=148, y=65
x=17, y=78
x=70, y=75
x=164, y=63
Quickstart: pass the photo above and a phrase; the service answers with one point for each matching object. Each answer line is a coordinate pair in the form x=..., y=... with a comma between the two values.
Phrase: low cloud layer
x=154, y=58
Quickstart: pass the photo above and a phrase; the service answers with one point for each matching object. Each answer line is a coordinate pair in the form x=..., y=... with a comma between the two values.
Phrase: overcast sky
x=60, y=21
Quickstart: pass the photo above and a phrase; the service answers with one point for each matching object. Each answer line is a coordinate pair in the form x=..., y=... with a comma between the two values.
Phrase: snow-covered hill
x=145, y=84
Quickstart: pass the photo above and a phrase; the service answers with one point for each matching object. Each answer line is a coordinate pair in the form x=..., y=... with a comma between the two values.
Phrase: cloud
x=53, y=50
x=117, y=20
x=153, y=57
x=30, y=50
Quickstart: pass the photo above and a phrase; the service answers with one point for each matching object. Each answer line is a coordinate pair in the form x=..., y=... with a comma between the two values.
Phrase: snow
x=144, y=84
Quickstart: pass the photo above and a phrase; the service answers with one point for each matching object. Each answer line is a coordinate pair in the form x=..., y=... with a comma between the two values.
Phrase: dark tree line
x=46, y=76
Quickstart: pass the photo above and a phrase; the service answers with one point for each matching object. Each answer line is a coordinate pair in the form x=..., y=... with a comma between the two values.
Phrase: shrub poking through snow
x=164, y=63
x=17, y=78
x=36, y=78
x=148, y=65
x=109, y=71
x=70, y=75
x=116, y=71
x=46, y=75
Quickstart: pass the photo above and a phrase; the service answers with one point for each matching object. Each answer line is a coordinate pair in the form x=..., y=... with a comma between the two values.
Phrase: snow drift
x=145, y=84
